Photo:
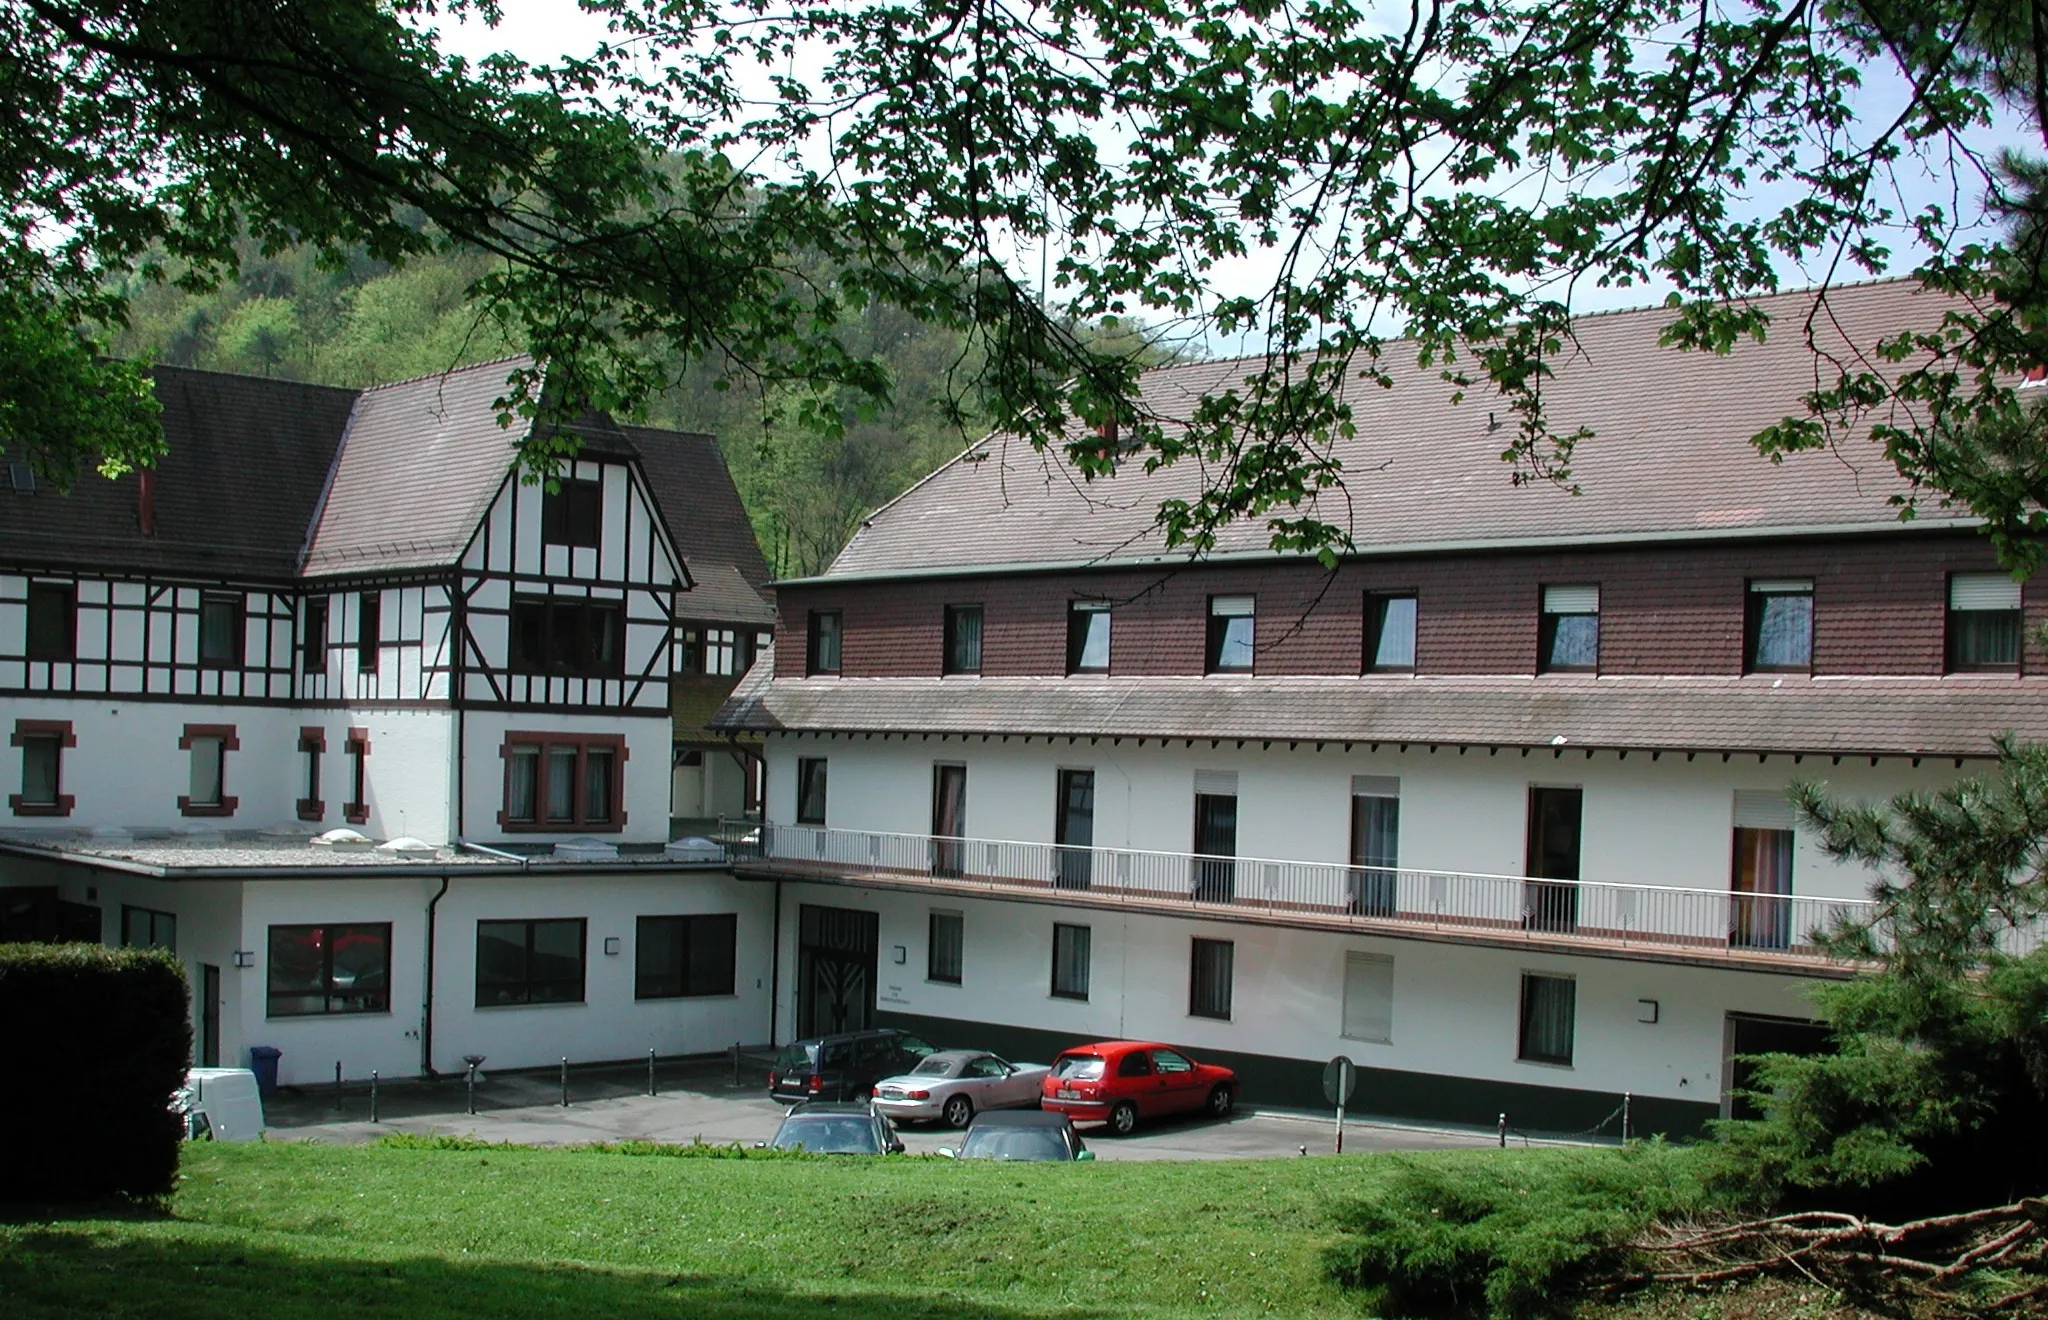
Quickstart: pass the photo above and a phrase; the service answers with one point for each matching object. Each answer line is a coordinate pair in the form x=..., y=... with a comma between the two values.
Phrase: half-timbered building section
x=1497, y=805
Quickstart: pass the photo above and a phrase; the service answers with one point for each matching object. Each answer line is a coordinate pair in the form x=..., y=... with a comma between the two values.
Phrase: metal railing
x=1636, y=914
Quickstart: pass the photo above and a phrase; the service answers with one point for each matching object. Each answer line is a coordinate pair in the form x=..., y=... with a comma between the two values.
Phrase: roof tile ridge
x=248, y=375
x=443, y=374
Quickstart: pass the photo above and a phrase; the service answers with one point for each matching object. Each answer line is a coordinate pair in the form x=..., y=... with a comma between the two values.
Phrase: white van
x=221, y=1104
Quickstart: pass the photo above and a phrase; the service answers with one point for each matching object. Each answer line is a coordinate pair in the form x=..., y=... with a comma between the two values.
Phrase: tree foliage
x=732, y=183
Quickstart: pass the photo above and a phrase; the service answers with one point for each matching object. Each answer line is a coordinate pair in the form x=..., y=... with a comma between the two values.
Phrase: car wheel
x=1123, y=1119
x=959, y=1111
x=1220, y=1101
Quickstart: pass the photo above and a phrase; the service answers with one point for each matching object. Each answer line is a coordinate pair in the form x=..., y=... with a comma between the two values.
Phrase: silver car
x=951, y=1086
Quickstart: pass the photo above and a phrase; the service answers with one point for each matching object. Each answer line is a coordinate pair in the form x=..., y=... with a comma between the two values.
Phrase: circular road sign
x=1340, y=1078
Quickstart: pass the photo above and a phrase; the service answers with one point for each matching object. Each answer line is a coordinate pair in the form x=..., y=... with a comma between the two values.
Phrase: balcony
x=1766, y=932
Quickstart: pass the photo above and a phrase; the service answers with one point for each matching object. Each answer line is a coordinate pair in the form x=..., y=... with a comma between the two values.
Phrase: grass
x=453, y=1231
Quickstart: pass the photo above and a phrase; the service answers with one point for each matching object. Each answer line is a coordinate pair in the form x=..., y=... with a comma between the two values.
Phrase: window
x=313, y=646
x=1760, y=884
x=1209, y=978
x=689, y=661
x=52, y=621
x=810, y=791
x=1088, y=637
x=329, y=969
x=1390, y=632
x=1549, y=1009
x=721, y=651
x=369, y=630
x=963, y=639
x=1369, y=998
x=220, y=630
x=356, y=811
x=1780, y=626
x=1984, y=625
x=1230, y=634
x=1073, y=829
x=682, y=957
x=1568, y=636
x=945, y=947
x=1375, y=844
x=572, y=513
x=529, y=962
x=142, y=928
x=823, y=646
x=555, y=783
x=42, y=744
x=312, y=746
x=209, y=745
x=567, y=636
x=1070, y=961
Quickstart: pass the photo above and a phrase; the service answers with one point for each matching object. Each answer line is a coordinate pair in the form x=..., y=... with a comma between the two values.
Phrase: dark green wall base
x=1382, y=1092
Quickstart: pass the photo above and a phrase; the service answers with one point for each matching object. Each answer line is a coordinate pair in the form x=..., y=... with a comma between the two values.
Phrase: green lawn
x=322, y=1232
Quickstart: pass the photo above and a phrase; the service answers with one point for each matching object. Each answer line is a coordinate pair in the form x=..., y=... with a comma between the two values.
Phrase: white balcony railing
x=1679, y=919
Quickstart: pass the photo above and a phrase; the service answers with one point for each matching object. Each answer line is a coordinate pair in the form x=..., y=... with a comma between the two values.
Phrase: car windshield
x=1014, y=1143
x=933, y=1068
x=828, y=1134
x=1077, y=1068
x=912, y=1045
x=798, y=1056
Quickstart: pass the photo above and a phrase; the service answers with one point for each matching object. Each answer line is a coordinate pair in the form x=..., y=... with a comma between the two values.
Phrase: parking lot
x=699, y=1101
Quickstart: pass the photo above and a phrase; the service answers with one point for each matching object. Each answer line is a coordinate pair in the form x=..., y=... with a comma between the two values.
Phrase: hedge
x=99, y=1041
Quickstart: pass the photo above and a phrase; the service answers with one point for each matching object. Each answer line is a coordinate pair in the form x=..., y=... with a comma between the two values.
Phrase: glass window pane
x=1549, y=1006
x=1232, y=642
x=713, y=952
x=1394, y=635
x=500, y=962
x=597, y=785
x=1211, y=978
x=1087, y=638
x=658, y=958
x=947, y=939
x=521, y=789
x=361, y=961
x=39, y=757
x=206, y=772
x=297, y=970
x=1574, y=641
x=1070, y=950
x=561, y=795
x=220, y=620
x=1984, y=639
x=1784, y=631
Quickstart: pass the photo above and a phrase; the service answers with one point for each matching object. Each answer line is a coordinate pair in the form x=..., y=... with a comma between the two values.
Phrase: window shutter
x=1216, y=783
x=1230, y=607
x=1983, y=591
x=1571, y=600
x=1376, y=786
x=1369, y=997
x=1762, y=811
x=1782, y=586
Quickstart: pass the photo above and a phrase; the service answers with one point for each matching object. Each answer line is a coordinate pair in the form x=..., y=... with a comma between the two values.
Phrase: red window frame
x=228, y=743
x=60, y=730
x=584, y=743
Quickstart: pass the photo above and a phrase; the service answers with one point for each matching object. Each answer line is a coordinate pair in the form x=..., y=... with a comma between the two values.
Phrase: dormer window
x=963, y=639
x=572, y=514
x=1984, y=622
x=1569, y=636
x=1230, y=634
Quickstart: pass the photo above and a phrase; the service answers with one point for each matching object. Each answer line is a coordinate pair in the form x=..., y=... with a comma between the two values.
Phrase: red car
x=1119, y=1082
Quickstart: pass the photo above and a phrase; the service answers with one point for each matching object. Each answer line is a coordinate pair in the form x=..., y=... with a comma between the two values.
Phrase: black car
x=842, y=1067
x=825, y=1127
x=1021, y=1134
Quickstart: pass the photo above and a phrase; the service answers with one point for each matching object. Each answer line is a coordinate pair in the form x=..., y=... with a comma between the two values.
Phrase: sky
x=544, y=30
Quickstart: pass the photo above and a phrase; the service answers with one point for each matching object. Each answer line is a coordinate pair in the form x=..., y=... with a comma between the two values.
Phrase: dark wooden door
x=835, y=953
x=209, y=1016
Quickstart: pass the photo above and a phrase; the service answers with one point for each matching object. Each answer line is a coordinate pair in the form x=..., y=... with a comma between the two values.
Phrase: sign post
x=1340, y=1077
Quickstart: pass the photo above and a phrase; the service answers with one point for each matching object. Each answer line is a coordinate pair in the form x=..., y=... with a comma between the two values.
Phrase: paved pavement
x=699, y=1101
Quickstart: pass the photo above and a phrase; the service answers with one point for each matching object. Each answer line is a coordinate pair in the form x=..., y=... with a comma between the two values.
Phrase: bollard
x=650, y=1072
x=565, y=1081
x=735, y=1063
x=1503, y=1131
x=373, y=1095
x=1626, y=1097
x=472, y=1089
x=337, y=1083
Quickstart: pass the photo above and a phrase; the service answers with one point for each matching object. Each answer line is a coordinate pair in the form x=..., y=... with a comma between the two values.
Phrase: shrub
x=1508, y=1237
x=100, y=1042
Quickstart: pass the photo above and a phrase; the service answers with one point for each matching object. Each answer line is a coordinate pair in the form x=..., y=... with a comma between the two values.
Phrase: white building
x=1497, y=807
x=336, y=609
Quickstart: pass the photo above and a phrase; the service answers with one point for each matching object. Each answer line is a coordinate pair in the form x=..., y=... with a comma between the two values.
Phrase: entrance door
x=949, y=818
x=1754, y=1033
x=1216, y=843
x=1074, y=829
x=1553, y=855
x=835, y=957
x=209, y=1016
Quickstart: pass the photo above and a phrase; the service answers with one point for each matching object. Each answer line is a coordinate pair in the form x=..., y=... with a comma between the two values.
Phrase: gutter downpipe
x=427, y=1016
x=775, y=964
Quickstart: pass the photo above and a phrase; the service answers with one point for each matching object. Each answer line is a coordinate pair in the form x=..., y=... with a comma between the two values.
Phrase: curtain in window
x=949, y=817
x=1762, y=908
x=1549, y=1005
x=1375, y=849
x=1074, y=829
x=810, y=792
x=1070, y=945
x=946, y=938
x=562, y=783
x=963, y=640
x=1984, y=639
x=1213, y=961
x=1784, y=631
x=597, y=785
x=523, y=784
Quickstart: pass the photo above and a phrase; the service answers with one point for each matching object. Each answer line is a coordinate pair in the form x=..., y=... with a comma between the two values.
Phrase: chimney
x=145, y=502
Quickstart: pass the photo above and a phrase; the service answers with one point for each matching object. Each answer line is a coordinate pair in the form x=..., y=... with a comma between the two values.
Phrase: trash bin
x=263, y=1062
